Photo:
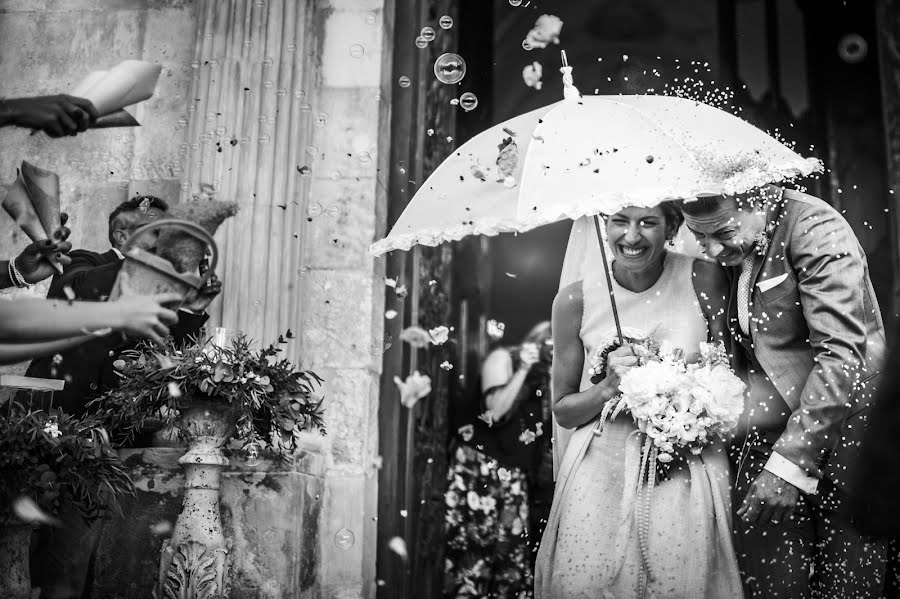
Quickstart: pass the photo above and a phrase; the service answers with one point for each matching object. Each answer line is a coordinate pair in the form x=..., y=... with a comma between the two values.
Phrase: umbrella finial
x=570, y=92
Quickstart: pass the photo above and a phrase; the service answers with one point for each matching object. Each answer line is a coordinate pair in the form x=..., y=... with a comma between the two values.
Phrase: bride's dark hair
x=672, y=214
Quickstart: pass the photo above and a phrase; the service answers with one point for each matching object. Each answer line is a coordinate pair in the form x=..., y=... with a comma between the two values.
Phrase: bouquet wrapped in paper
x=181, y=249
x=33, y=202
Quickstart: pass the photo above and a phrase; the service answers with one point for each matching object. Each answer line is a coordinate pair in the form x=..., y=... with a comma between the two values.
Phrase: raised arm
x=500, y=385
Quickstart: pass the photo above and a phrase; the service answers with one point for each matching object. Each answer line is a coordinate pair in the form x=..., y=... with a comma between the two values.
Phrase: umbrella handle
x=606, y=269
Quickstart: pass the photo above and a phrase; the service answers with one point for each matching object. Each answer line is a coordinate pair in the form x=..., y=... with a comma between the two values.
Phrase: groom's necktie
x=743, y=293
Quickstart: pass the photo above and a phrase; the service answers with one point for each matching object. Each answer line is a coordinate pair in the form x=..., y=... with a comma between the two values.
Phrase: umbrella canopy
x=588, y=155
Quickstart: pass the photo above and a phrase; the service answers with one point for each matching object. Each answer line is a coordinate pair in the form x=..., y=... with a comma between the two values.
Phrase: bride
x=591, y=547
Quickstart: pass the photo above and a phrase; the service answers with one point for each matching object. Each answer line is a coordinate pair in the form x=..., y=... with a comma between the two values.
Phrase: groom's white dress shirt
x=776, y=464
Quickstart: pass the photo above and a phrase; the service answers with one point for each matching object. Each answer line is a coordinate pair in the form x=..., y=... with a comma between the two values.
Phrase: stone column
x=288, y=120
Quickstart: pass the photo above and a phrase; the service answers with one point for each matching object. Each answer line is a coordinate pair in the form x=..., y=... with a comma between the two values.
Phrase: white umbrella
x=588, y=155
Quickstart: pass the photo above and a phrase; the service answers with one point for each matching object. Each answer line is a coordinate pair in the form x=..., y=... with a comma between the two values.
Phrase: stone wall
x=303, y=266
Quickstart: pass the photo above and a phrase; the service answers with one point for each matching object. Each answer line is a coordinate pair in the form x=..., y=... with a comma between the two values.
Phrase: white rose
x=488, y=504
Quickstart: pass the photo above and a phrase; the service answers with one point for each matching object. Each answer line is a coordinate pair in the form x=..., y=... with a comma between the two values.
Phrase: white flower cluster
x=683, y=405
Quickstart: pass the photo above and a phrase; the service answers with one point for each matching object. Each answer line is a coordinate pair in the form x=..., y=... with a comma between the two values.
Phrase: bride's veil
x=582, y=259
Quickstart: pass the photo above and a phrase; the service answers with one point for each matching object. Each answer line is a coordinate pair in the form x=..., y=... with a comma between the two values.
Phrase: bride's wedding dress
x=591, y=547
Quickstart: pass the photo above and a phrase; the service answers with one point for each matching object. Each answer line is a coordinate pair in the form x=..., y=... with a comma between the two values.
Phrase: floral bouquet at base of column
x=269, y=401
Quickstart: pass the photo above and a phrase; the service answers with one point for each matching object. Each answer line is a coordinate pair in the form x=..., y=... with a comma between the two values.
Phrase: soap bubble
x=321, y=120
x=305, y=107
x=344, y=539
x=282, y=91
x=427, y=34
x=446, y=22
x=515, y=2
x=404, y=81
x=365, y=158
x=314, y=210
x=292, y=47
x=268, y=61
x=299, y=94
x=195, y=64
x=357, y=51
x=421, y=42
x=379, y=345
x=468, y=101
x=248, y=43
x=334, y=211
x=335, y=175
x=526, y=44
x=213, y=63
x=450, y=68
x=252, y=454
x=454, y=102
x=371, y=18
x=312, y=152
x=303, y=271
x=268, y=84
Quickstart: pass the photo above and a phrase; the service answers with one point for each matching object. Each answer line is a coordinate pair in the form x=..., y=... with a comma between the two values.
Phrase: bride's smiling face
x=637, y=237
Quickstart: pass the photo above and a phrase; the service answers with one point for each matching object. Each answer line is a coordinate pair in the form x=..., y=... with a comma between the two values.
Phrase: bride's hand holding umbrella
x=620, y=362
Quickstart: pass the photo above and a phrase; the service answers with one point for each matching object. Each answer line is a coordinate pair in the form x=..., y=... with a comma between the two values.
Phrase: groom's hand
x=770, y=500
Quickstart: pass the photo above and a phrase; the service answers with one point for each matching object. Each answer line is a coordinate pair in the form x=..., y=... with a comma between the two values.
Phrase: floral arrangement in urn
x=48, y=456
x=267, y=401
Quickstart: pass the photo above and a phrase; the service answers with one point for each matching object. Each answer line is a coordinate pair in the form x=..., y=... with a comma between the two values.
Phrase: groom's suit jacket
x=816, y=331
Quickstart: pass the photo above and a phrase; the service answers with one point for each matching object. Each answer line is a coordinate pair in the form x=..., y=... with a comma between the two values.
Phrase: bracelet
x=16, y=277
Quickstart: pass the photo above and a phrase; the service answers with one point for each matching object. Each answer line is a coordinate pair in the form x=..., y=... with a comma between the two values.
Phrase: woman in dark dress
x=500, y=480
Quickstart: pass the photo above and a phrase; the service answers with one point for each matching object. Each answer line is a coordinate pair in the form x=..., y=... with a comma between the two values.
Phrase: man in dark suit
x=805, y=321
x=62, y=556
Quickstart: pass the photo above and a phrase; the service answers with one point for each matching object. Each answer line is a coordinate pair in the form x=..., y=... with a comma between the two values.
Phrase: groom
x=807, y=332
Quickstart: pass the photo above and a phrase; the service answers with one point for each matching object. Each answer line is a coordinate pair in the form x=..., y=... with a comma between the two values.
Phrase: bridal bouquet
x=679, y=403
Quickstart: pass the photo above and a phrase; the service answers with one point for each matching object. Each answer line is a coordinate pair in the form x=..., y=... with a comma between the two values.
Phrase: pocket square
x=769, y=283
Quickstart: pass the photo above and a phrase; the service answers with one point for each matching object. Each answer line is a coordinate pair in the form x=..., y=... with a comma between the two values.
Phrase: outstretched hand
x=57, y=116
x=770, y=500
x=34, y=261
x=145, y=316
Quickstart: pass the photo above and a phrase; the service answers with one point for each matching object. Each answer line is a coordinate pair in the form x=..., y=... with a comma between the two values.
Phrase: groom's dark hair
x=700, y=206
x=709, y=204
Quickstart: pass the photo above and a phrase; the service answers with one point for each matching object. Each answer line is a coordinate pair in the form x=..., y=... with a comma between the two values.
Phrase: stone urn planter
x=194, y=563
x=213, y=391
x=15, y=579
